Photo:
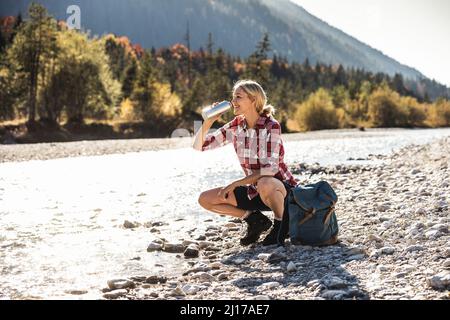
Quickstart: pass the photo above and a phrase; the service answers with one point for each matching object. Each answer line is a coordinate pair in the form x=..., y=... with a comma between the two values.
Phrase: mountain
x=236, y=26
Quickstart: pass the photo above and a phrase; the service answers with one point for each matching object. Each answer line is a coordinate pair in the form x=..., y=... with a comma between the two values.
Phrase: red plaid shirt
x=259, y=149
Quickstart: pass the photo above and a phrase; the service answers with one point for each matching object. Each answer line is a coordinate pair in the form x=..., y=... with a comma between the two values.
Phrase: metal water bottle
x=212, y=111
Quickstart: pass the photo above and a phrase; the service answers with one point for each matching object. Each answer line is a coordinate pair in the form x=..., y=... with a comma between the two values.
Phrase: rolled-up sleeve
x=220, y=137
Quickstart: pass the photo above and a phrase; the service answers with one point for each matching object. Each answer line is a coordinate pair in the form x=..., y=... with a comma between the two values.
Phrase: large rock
x=154, y=246
x=334, y=282
x=120, y=284
x=191, y=251
x=440, y=281
x=173, y=247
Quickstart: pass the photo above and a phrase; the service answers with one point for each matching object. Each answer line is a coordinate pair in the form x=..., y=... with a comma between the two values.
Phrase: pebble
x=205, y=244
x=223, y=276
x=291, y=267
x=129, y=225
x=115, y=294
x=215, y=265
x=433, y=234
x=269, y=285
x=264, y=256
x=382, y=268
x=120, y=284
x=446, y=263
x=203, y=276
x=439, y=281
x=387, y=250
x=177, y=292
x=173, y=247
x=190, y=289
x=414, y=247
x=261, y=297
x=334, y=282
x=393, y=243
x=153, y=246
x=191, y=251
x=333, y=294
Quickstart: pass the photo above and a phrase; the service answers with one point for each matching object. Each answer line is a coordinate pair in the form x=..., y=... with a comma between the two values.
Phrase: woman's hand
x=223, y=193
x=217, y=117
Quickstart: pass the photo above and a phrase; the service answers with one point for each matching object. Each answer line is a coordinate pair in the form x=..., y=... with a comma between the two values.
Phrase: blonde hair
x=254, y=90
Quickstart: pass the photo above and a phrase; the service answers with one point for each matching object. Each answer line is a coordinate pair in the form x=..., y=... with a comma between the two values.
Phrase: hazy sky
x=413, y=32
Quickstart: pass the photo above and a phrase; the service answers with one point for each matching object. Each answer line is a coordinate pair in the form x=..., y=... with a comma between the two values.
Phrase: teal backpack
x=309, y=215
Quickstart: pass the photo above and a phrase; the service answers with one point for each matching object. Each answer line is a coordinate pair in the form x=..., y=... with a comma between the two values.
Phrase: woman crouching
x=256, y=137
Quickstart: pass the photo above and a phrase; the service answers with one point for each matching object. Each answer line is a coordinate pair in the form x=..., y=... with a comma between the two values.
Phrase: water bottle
x=212, y=111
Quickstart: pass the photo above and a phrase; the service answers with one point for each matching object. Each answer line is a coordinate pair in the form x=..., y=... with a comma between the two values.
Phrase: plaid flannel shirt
x=259, y=149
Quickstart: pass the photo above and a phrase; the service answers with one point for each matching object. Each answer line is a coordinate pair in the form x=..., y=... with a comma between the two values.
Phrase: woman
x=256, y=137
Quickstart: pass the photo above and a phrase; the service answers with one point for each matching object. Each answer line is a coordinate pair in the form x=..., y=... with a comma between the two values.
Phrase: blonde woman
x=256, y=137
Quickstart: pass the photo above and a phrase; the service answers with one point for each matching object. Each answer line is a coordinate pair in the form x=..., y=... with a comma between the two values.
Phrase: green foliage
x=82, y=84
x=58, y=74
x=7, y=110
x=317, y=112
x=33, y=46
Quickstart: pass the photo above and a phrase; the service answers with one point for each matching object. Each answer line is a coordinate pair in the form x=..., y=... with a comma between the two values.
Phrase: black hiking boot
x=271, y=238
x=257, y=224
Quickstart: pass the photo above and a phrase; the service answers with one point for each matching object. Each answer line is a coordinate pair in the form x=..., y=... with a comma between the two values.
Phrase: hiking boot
x=257, y=223
x=271, y=238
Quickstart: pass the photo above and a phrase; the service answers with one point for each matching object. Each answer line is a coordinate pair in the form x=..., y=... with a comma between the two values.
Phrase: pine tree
x=33, y=44
x=263, y=48
x=142, y=89
x=188, y=43
x=210, y=44
x=129, y=79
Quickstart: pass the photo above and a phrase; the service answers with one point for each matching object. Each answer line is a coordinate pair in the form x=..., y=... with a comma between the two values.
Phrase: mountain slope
x=236, y=26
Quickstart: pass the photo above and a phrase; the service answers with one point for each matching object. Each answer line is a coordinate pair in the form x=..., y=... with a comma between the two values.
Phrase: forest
x=54, y=78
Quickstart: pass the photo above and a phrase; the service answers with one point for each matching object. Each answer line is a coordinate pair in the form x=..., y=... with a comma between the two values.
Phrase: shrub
x=439, y=113
x=384, y=110
x=416, y=114
x=317, y=112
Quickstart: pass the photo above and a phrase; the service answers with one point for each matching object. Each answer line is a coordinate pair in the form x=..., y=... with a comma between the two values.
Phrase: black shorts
x=244, y=203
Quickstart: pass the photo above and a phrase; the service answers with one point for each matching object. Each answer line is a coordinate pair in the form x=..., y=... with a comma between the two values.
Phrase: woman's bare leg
x=211, y=201
x=272, y=192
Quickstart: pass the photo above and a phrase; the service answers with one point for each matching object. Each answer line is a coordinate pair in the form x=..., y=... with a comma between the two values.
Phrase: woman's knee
x=265, y=185
x=204, y=200
x=268, y=185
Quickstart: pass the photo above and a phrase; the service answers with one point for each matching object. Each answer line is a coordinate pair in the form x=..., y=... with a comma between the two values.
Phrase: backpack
x=309, y=215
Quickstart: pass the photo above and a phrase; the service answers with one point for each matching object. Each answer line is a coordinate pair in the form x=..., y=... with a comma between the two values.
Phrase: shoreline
x=394, y=243
x=56, y=150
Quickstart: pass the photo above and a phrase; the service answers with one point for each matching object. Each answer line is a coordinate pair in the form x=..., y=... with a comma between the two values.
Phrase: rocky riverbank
x=394, y=242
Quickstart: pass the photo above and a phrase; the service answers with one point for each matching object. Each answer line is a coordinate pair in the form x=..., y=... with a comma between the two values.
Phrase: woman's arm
x=255, y=176
x=201, y=134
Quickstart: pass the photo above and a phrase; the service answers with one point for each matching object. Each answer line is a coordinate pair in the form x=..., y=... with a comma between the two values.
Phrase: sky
x=413, y=32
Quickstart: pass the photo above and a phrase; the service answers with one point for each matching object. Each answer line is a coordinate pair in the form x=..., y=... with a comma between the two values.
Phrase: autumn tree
x=317, y=112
